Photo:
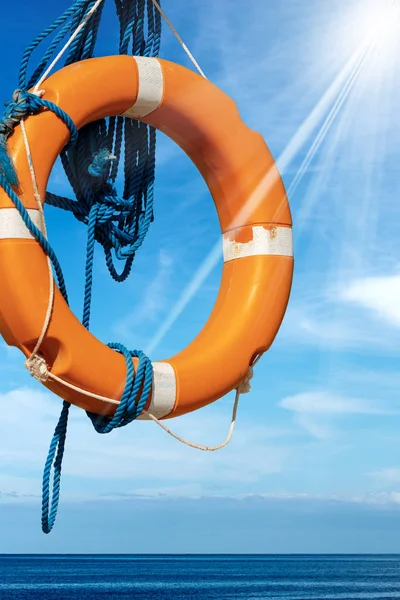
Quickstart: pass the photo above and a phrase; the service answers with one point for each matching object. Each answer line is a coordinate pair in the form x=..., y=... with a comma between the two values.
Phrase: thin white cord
x=66, y=46
x=36, y=364
x=178, y=37
x=88, y=17
x=32, y=360
x=243, y=388
x=200, y=446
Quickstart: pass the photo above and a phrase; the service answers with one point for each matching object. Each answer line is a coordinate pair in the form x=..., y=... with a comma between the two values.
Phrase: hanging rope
x=91, y=161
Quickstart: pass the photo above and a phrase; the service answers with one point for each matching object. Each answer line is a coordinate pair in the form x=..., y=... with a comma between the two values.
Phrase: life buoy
x=253, y=212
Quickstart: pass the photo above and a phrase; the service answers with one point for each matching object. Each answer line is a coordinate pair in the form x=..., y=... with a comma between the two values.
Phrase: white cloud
x=317, y=411
x=314, y=425
x=190, y=490
x=326, y=403
x=194, y=492
x=18, y=489
x=322, y=326
x=359, y=313
x=140, y=456
x=375, y=498
x=388, y=475
x=141, y=460
x=379, y=295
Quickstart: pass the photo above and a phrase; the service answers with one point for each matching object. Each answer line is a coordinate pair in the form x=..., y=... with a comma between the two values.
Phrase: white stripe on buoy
x=151, y=88
x=12, y=227
x=164, y=391
x=277, y=241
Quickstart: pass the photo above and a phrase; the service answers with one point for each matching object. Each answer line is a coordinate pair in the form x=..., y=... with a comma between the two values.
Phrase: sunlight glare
x=379, y=23
x=373, y=28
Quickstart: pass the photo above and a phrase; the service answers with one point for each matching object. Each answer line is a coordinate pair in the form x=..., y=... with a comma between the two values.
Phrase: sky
x=314, y=464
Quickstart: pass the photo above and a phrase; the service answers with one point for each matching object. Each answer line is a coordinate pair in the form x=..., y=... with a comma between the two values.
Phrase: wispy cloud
x=372, y=498
x=137, y=457
x=389, y=475
x=317, y=411
x=379, y=295
x=153, y=301
x=325, y=403
x=359, y=313
x=267, y=498
x=313, y=424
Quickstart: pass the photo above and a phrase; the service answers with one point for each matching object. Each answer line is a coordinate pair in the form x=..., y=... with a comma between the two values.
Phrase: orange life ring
x=253, y=213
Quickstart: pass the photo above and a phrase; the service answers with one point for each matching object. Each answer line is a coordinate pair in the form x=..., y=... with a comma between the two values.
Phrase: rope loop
x=54, y=461
x=117, y=227
x=24, y=104
x=21, y=105
x=136, y=393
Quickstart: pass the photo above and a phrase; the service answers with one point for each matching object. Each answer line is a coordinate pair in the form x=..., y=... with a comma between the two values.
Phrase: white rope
x=178, y=37
x=243, y=388
x=36, y=364
x=34, y=361
x=66, y=46
x=88, y=17
x=200, y=446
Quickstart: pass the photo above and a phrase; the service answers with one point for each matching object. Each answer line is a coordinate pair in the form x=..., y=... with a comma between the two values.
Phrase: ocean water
x=170, y=577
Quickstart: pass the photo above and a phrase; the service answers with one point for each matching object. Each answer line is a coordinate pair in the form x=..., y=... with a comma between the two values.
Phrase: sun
x=362, y=27
x=378, y=23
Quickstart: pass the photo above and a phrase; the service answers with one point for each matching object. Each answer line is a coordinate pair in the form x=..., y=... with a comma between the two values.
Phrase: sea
x=205, y=577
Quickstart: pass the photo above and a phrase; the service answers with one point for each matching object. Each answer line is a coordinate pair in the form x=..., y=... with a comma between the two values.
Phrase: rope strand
x=91, y=161
x=180, y=40
x=91, y=164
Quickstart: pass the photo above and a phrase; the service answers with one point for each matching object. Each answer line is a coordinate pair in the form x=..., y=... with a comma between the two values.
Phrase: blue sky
x=314, y=464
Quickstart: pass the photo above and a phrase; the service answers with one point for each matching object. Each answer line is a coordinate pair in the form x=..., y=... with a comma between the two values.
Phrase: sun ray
x=323, y=115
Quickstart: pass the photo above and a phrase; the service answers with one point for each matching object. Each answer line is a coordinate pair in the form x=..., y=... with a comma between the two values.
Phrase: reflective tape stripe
x=277, y=241
x=151, y=88
x=12, y=227
x=164, y=390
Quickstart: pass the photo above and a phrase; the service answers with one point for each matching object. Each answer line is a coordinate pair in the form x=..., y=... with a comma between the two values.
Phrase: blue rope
x=23, y=104
x=55, y=455
x=136, y=392
x=134, y=398
x=91, y=162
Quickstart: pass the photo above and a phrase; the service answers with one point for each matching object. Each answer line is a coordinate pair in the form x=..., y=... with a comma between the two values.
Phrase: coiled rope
x=91, y=161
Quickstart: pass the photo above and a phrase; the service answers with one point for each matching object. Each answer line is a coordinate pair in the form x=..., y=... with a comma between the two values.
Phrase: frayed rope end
x=100, y=163
x=244, y=386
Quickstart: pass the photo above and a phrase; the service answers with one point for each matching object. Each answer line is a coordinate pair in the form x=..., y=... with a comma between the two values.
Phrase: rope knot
x=107, y=196
x=37, y=367
x=111, y=215
x=244, y=386
x=21, y=105
x=119, y=223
